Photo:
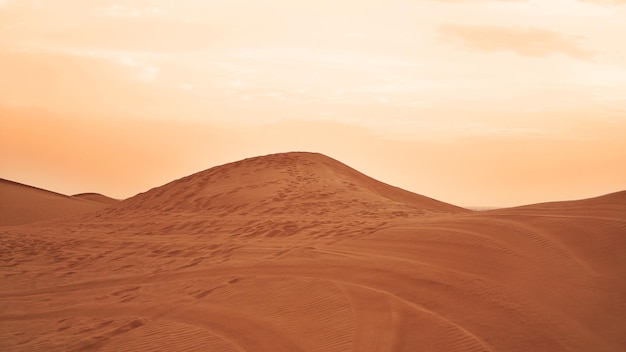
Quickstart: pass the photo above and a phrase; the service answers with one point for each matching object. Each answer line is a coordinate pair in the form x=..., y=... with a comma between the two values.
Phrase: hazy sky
x=468, y=101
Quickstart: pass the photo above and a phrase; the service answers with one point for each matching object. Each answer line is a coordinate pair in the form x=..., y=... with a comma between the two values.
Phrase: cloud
x=532, y=42
x=146, y=72
x=607, y=2
x=31, y=3
x=122, y=11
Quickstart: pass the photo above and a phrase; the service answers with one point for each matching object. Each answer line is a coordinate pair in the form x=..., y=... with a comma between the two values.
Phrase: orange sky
x=468, y=101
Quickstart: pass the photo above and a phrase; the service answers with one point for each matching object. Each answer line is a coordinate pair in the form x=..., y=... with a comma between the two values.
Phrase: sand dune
x=298, y=252
x=22, y=204
x=97, y=197
x=285, y=184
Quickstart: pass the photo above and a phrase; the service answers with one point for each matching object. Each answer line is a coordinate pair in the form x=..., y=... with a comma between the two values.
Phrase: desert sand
x=22, y=204
x=96, y=197
x=299, y=252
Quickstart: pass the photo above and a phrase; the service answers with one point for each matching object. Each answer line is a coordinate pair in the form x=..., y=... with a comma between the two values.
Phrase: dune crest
x=22, y=204
x=97, y=197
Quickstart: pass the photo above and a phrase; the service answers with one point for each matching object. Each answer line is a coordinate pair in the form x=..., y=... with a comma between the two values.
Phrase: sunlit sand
x=299, y=252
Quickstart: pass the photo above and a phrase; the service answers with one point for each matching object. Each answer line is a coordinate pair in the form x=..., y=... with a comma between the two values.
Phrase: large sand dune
x=298, y=252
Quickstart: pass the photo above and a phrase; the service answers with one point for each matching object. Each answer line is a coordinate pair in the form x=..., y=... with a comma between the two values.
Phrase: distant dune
x=97, y=197
x=22, y=204
x=617, y=199
x=298, y=252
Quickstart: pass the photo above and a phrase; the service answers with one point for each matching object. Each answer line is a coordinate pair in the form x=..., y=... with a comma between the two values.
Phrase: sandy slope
x=22, y=204
x=97, y=197
x=297, y=252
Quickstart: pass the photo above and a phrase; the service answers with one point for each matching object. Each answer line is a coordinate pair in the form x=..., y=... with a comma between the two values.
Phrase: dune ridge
x=97, y=197
x=298, y=252
x=22, y=204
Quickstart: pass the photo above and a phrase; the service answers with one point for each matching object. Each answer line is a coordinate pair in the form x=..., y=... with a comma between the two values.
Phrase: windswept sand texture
x=298, y=252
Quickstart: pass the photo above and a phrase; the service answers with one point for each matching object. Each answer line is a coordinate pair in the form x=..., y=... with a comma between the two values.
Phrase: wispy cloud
x=122, y=11
x=607, y=2
x=340, y=59
x=5, y=2
x=477, y=129
x=533, y=42
x=144, y=70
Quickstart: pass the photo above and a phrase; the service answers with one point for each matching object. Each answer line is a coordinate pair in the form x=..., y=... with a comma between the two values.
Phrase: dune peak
x=285, y=183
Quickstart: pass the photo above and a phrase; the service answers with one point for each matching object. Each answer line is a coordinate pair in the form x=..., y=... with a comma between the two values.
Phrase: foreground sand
x=296, y=252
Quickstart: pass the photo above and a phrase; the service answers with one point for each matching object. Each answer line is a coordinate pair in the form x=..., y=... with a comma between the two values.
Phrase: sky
x=473, y=102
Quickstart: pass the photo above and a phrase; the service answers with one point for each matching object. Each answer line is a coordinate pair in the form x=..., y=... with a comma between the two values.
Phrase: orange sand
x=96, y=197
x=298, y=252
x=22, y=204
